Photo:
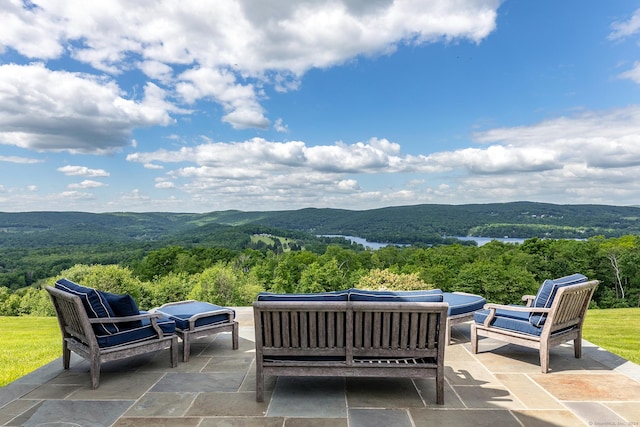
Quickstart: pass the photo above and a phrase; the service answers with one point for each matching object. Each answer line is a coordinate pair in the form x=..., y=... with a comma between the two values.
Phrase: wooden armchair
x=123, y=336
x=538, y=327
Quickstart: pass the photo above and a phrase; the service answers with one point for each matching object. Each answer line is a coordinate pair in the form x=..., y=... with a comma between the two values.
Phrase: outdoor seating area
x=351, y=358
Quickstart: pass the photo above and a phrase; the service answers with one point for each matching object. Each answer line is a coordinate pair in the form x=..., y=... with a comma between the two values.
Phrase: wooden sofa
x=350, y=339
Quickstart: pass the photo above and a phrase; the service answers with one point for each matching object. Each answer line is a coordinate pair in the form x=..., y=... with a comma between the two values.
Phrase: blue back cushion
x=433, y=295
x=320, y=296
x=547, y=292
x=123, y=305
x=94, y=303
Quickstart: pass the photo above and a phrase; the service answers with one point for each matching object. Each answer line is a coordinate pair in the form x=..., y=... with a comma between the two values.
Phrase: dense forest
x=227, y=257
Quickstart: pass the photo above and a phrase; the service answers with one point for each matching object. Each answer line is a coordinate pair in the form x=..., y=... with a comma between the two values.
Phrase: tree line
x=501, y=272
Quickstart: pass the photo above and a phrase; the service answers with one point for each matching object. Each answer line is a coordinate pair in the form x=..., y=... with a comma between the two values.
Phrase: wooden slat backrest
x=72, y=316
x=398, y=325
x=570, y=306
x=302, y=325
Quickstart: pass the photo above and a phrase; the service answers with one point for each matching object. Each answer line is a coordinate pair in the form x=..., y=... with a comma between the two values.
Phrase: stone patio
x=500, y=386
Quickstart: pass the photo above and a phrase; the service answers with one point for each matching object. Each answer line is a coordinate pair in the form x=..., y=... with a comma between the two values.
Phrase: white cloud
x=59, y=110
x=623, y=29
x=82, y=171
x=632, y=74
x=590, y=157
x=218, y=50
x=87, y=183
x=16, y=159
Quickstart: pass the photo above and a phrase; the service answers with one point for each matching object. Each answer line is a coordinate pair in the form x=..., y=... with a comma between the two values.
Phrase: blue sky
x=197, y=106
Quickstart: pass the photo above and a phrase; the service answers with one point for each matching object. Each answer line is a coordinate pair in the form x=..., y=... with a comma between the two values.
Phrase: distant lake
x=377, y=245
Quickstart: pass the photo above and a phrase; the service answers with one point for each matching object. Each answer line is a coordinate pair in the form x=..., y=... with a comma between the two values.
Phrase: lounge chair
x=554, y=316
x=92, y=328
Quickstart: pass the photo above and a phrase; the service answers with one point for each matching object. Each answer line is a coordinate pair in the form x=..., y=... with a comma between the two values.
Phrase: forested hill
x=403, y=224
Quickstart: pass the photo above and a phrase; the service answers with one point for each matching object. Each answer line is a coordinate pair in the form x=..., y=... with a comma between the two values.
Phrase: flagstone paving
x=502, y=385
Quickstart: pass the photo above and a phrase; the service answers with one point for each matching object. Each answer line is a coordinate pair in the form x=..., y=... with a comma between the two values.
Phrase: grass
x=27, y=344
x=616, y=330
x=31, y=342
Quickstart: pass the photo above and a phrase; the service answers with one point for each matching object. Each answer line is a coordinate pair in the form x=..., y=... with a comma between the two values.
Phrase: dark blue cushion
x=182, y=312
x=547, y=292
x=507, y=319
x=463, y=303
x=320, y=296
x=141, y=333
x=123, y=305
x=95, y=304
x=432, y=295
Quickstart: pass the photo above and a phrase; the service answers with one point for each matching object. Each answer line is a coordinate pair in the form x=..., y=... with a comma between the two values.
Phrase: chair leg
x=544, y=358
x=577, y=347
x=95, y=370
x=474, y=339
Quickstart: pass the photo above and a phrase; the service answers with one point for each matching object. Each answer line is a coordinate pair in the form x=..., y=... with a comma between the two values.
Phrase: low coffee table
x=461, y=308
x=197, y=319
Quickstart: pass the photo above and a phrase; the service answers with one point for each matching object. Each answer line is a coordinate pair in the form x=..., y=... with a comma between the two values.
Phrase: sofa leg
x=234, y=336
x=259, y=384
x=66, y=355
x=440, y=390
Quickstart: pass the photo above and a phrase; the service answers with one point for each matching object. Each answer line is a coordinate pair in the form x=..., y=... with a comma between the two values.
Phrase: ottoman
x=461, y=308
x=197, y=319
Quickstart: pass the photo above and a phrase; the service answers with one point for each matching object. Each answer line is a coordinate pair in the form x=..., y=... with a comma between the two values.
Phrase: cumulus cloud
x=75, y=112
x=223, y=51
x=87, y=183
x=82, y=171
x=583, y=156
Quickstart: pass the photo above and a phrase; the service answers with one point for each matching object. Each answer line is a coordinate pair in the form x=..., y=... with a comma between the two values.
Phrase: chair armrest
x=493, y=307
x=528, y=299
x=141, y=316
x=151, y=316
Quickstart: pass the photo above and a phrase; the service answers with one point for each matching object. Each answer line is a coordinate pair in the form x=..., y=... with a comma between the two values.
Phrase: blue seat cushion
x=463, y=303
x=547, y=292
x=432, y=295
x=320, y=296
x=182, y=312
x=123, y=305
x=95, y=304
x=138, y=334
x=511, y=320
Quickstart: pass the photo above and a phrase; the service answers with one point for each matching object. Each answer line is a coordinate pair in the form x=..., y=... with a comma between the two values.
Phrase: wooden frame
x=78, y=335
x=563, y=323
x=350, y=339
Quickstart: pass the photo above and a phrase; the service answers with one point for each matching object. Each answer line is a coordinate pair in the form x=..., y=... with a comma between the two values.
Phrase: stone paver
x=502, y=385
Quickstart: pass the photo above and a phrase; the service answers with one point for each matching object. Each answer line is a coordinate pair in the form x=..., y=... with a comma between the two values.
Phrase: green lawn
x=616, y=330
x=27, y=344
x=31, y=342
